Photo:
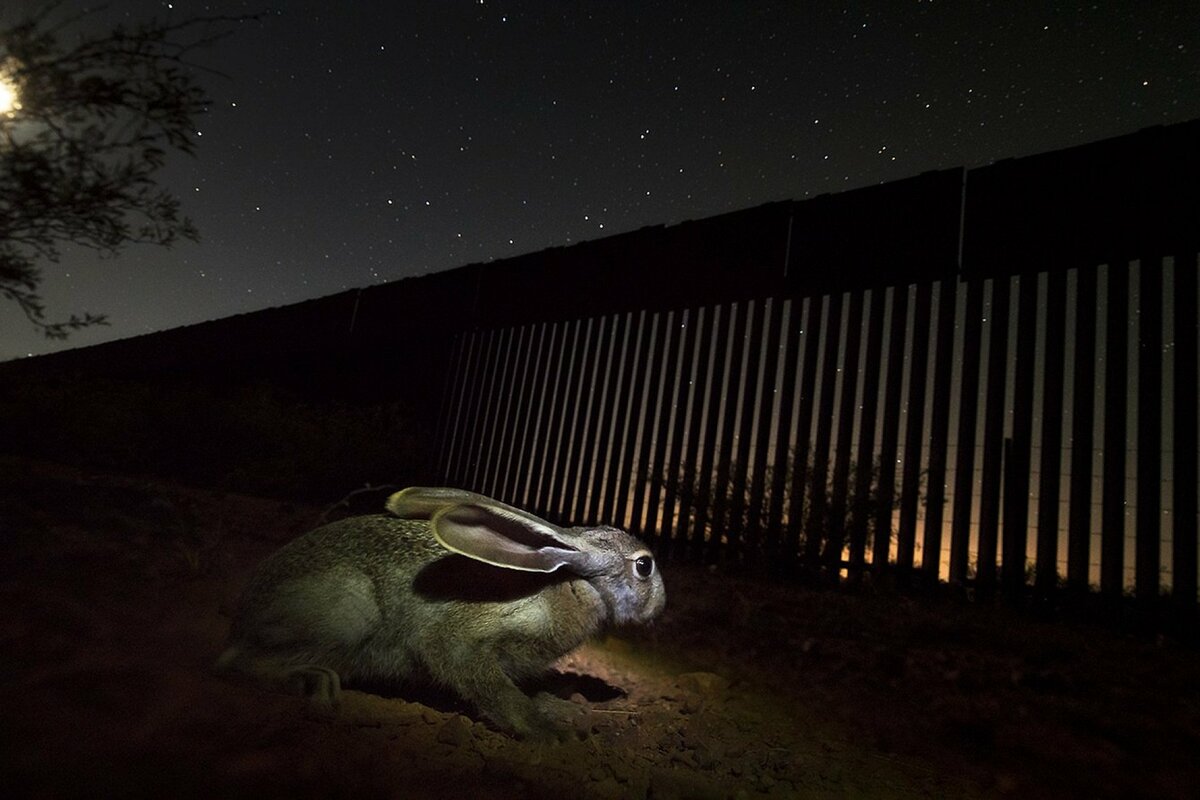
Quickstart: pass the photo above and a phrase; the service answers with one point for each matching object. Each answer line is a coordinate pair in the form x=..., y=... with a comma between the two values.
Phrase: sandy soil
x=115, y=596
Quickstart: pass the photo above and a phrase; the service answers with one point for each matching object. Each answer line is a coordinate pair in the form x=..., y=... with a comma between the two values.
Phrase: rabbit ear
x=506, y=537
x=422, y=502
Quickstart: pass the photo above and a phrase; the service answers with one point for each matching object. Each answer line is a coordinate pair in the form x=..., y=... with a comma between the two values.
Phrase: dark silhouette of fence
x=987, y=376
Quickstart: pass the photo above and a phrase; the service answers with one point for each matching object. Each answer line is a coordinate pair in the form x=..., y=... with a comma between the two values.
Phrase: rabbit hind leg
x=302, y=636
x=321, y=685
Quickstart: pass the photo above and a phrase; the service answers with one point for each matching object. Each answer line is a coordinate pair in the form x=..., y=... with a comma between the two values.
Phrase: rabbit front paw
x=564, y=717
x=545, y=719
x=528, y=719
x=539, y=728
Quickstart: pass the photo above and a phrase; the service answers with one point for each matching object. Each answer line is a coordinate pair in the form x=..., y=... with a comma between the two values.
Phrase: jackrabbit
x=451, y=587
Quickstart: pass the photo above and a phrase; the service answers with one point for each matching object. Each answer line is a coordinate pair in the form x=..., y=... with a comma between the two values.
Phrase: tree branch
x=78, y=160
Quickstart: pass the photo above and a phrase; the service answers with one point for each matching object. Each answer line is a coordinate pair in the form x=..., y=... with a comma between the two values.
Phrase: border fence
x=985, y=376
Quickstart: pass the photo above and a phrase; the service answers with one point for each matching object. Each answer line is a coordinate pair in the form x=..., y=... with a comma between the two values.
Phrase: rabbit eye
x=643, y=566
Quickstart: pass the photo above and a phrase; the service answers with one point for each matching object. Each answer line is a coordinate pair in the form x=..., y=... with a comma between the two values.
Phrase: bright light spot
x=8, y=96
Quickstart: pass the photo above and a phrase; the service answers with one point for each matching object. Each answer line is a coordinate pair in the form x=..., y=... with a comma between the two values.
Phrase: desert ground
x=115, y=599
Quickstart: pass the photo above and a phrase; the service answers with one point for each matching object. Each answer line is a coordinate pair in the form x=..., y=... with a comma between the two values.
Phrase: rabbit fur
x=451, y=587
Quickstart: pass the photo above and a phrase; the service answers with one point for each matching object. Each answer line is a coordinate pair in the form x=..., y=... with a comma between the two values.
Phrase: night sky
x=358, y=143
